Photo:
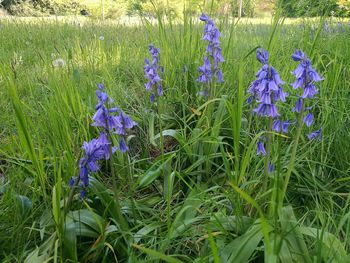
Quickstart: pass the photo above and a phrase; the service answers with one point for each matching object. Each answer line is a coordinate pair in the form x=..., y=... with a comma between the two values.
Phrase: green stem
x=126, y=163
x=268, y=154
x=71, y=194
x=293, y=156
x=161, y=139
x=121, y=220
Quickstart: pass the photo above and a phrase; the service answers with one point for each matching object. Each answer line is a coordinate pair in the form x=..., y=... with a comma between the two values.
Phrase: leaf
x=42, y=253
x=88, y=218
x=154, y=172
x=242, y=248
x=157, y=255
x=293, y=239
x=143, y=232
x=214, y=248
x=333, y=247
x=24, y=204
x=56, y=198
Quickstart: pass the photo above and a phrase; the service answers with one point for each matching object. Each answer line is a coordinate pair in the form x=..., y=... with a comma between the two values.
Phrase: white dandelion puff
x=59, y=63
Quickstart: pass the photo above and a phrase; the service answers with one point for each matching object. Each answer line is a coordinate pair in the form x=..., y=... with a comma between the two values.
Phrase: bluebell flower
x=279, y=126
x=305, y=79
x=152, y=70
x=285, y=126
x=82, y=193
x=152, y=97
x=308, y=119
x=305, y=74
x=310, y=91
x=125, y=123
x=315, y=135
x=122, y=145
x=101, y=148
x=206, y=72
x=102, y=117
x=213, y=57
x=260, y=149
x=95, y=150
x=263, y=56
x=71, y=181
x=271, y=167
x=266, y=88
x=298, y=106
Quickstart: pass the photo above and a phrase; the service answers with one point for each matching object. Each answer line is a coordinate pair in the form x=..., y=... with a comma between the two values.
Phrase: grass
x=199, y=201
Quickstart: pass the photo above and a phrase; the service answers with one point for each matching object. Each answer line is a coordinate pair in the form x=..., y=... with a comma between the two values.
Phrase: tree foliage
x=297, y=8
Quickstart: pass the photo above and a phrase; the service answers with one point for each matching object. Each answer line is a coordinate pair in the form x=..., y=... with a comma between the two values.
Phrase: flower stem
x=293, y=156
x=71, y=194
x=268, y=154
x=120, y=218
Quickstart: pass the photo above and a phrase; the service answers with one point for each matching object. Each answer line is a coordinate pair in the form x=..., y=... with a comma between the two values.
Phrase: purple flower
x=210, y=67
x=267, y=110
x=95, y=150
x=308, y=119
x=266, y=88
x=277, y=125
x=271, y=167
x=71, y=181
x=152, y=97
x=305, y=75
x=102, y=117
x=315, y=135
x=260, y=149
x=82, y=193
x=125, y=123
x=298, y=106
x=122, y=146
x=151, y=70
x=298, y=55
x=309, y=91
x=262, y=55
x=205, y=70
x=285, y=126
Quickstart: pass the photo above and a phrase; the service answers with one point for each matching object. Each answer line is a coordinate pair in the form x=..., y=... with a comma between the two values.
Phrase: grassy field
x=191, y=188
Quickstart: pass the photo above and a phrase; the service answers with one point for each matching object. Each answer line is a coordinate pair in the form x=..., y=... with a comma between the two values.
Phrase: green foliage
x=202, y=200
x=297, y=8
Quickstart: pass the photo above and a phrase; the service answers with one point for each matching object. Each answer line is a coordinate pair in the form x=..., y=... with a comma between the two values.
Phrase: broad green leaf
x=157, y=255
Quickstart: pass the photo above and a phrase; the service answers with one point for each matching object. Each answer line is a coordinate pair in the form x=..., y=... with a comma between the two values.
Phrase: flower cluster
x=151, y=70
x=117, y=124
x=213, y=53
x=101, y=148
x=95, y=150
x=125, y=123
x=266, y=89
x=305, y=79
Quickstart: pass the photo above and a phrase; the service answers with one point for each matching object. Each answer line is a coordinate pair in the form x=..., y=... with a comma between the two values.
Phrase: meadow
x=191, y=187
